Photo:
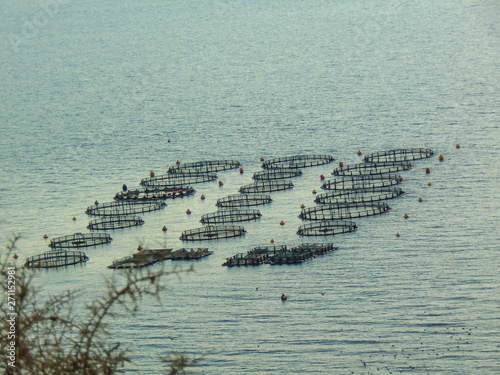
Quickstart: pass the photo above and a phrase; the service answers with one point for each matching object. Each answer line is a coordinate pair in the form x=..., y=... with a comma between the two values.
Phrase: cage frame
x=266, y=186
x=372, y=168
x=343, y=211
x=124, y=207
x=230, y=216
x=243, y=200
x=51, y=259
x=276, y=174
x=401, y=154
x=107, y=222
x=367, y=195
x=362, y=182
x=212, y=232
x=297, y=161
x=79, y=240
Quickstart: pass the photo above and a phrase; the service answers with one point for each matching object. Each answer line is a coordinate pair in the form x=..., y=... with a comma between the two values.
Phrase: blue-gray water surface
x=95, y=94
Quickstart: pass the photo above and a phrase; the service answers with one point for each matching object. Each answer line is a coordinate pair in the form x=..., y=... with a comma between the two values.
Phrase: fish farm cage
x=372, y=168
x=327, y=228
x=399, y=155
x=115, y=222
x=212, y=232
x=297, y=161
x=301, y=253
x=204, y=166
x=56, y=258
x=362, y=182
x=243, y=200
x=276, y=174
x=343, y=211
x=359, y=195
x=124, y=208
x=78, y=240
x=154, y=194
x=230, y=216
x=266, y=186
x=177, y=180
x=146, y=258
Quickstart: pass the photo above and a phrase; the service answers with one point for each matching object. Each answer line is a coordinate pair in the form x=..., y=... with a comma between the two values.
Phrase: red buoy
x=45, y=236
x=202, y=197
x=322, y=177
x=188, y=211
x=341, y=164
x=241, y=170
x=221, y=183
x=139, y=248
x=164, y=228
x=283, y=297
x=427, y=170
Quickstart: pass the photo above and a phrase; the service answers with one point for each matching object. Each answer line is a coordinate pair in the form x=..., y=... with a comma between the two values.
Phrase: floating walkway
x=276, y=174
x=115, y=222
x=327, y=228
x=362, y=182
x=178, y=180
x=78, y=240
x=204, y=166
x=230, y=216
x=146, y=258
x=342, y=211
x=399, y=155
x=298, y=161
x=367, y=195
x=372, y=168
x=124, y=208
x=266, y=186
x=243, y=200
x=212, y=232
x=56, y=258
x=154, y=194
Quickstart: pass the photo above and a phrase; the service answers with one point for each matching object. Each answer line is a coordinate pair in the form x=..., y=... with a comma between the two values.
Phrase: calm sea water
x=91, y=92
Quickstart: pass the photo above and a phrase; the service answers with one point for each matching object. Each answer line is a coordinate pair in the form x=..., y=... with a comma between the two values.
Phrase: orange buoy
x=261, y=159
x=420, y=199
x=202, y=197
x=221, y=183
x=151, y=174
x=429, y=184
x=314, y=191
x=427, y=170
x=302, y=206
x=241, y=170
x=168, y=141
x=45, y=236
x=177, y=162
x=272, y=241
x=15, y=256
x=341, y=164
x=139, y=248
x=96, y=202
x=283, y=297
x=74, y=218
x=457, y=146
x=359, y=152
x=282, y=222
x=188, y=211
x=441, y=157
x=322, y=177
x=406, y=216
x=397, y=234
x=164, y=228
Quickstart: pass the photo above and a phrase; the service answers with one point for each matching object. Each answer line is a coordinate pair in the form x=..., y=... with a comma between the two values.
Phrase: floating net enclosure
x=254, y=257
x=177, y=180
x=243, y=200
x=276, y=174
x=266, y=186
x=362, y=182
x=80, y=240
x=359, y=195
x=204, y=166
x=189, y=254
x=298, y=161
x=230, y=216
x=146, y=258
x=154, y=194
x=115, y=222
x=124, y=208
x=372, y=168
x=327, y=228
x=212, y=232
x=342, y=211
x=300, y=253
x=399, y=155
x=56, y=258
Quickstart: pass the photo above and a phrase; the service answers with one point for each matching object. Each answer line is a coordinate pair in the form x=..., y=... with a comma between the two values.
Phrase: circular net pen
x=327, y=228
x=362, y=182
x=343, y=211
x=204, y=166
x=57, y=258
x=298, y=161
x=230, y=216
x=243, y=200
x=152, y=194
x=372, y=168
x=359, y=195
x=276, y=174
x=266, y=186
x=124, y=208
x=115, y=222
x=177, y=180
x=399, y=155
x=212, y=232
x=80, y=240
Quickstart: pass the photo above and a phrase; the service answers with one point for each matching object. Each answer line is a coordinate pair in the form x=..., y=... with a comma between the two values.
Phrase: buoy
x=314, y=191
x=124, y=187
x=15, y=256
x=241, y=170
x=168, y=141
x=420, y=199
x=427, y=170
x=272, y=241
x=221, y=183
x=202, y=197
x=261, y=159
x=282, y=222
x=341, y=164
x=406, y=216
x=302, y=206
x=457, y=146
x=359, y=152
x=283, y=297
x=151, y=174
x=96, y=202
x=139, y=248
x=177, y=162
x=322, y=177
x=164, y=228
x=74, y=218
x=188, y=211
x=441, y=157
x=45, y=236
x=397, y=234
x=429, y=184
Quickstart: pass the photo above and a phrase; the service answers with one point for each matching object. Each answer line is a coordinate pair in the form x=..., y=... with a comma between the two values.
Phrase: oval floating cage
x=80, y=240
x=327, y=228
x=243, y=200
x=298, y=161
x=399, y=155
x=154, y=194
x=342, y=211
x=276, y=174
x=230, y=216
x=124, y=208
x=204, y=166
x=266, y=186
x=359, y=195
x=115, y=222
x=56, y=258
x=372, y=168
x=362, y=182
x=177, y=180
x=212, y=232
